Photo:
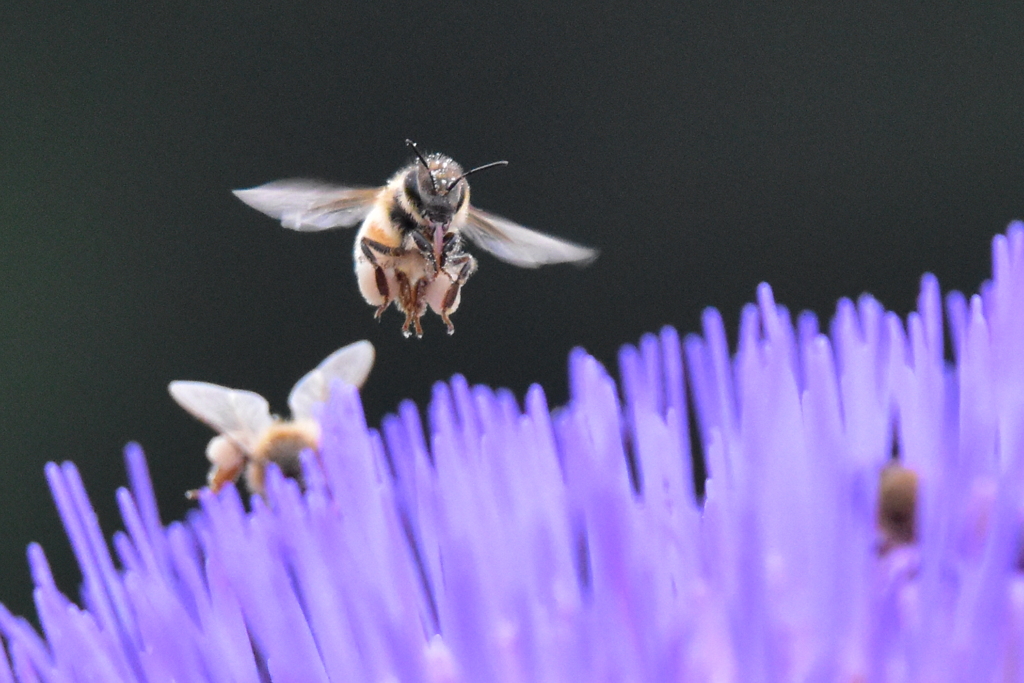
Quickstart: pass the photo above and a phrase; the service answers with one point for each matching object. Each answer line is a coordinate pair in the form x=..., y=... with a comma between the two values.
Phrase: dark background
x=704, y=147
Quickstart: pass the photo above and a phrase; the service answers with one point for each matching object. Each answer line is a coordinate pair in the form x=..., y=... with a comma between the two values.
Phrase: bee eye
x=417, y=183
x=413, y=189
x=427, y=183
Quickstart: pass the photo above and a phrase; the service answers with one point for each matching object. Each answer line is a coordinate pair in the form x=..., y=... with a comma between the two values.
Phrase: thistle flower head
x=501, y=542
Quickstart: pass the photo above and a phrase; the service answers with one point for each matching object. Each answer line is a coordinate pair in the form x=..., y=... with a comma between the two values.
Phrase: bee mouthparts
x=439, y=231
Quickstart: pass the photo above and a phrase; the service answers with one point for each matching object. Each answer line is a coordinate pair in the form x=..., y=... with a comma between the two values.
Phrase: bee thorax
x=284, y=441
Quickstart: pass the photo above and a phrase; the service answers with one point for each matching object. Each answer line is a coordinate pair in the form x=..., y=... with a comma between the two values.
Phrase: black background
x=703, y=147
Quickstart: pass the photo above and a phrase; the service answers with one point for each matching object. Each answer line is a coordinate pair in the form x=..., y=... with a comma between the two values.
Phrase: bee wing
x=241, y=416
x=308, y=205
x=349, y=364
x=519, y=245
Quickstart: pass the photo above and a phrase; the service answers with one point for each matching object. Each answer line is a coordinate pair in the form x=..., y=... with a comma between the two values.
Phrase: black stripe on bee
x=401, y=219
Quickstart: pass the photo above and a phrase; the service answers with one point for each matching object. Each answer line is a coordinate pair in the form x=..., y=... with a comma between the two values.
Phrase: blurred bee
x=410, y=250
x=249, y=437
x=897, y=507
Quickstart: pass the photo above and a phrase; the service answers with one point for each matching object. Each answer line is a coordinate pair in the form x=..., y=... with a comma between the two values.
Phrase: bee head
x=437, y=185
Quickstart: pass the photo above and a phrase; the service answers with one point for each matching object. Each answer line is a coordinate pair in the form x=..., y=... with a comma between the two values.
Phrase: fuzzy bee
x=897, y=507
x=249, y=437
x=410, y=250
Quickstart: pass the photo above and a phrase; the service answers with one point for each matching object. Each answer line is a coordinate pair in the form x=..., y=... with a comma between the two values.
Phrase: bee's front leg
x=463, y=265
x=370, y=250
x=425, y=248
x=452, y=248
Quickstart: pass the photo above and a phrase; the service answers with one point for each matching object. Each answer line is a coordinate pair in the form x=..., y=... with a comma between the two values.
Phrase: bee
x=249, y=437
x=410, y=248
x=897, y=507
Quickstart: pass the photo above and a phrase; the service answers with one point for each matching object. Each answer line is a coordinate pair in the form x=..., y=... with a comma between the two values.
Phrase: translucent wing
x=350, y=364
x=308, y=205
x=241, y=416
x=521, y=246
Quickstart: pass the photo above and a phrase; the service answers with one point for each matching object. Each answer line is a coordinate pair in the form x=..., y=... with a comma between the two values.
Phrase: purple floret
x=515, y=543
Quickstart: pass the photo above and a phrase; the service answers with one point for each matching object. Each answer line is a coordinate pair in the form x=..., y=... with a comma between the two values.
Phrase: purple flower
x=519, y=544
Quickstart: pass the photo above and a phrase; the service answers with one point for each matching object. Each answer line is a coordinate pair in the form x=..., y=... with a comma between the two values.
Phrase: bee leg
x=421, y=306
x=425, y=248
x=406, y=301
x=451, y=247
x=219, y=476
x=466, y=265
x=369, y=246
x=449, y=295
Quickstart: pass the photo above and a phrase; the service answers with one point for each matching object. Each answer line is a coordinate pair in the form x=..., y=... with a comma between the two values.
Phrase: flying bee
x=249, y=437
x=410, y=247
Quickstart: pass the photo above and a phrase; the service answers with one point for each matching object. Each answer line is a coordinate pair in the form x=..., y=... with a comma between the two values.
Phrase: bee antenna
x=474, y=170
x=424, y=162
